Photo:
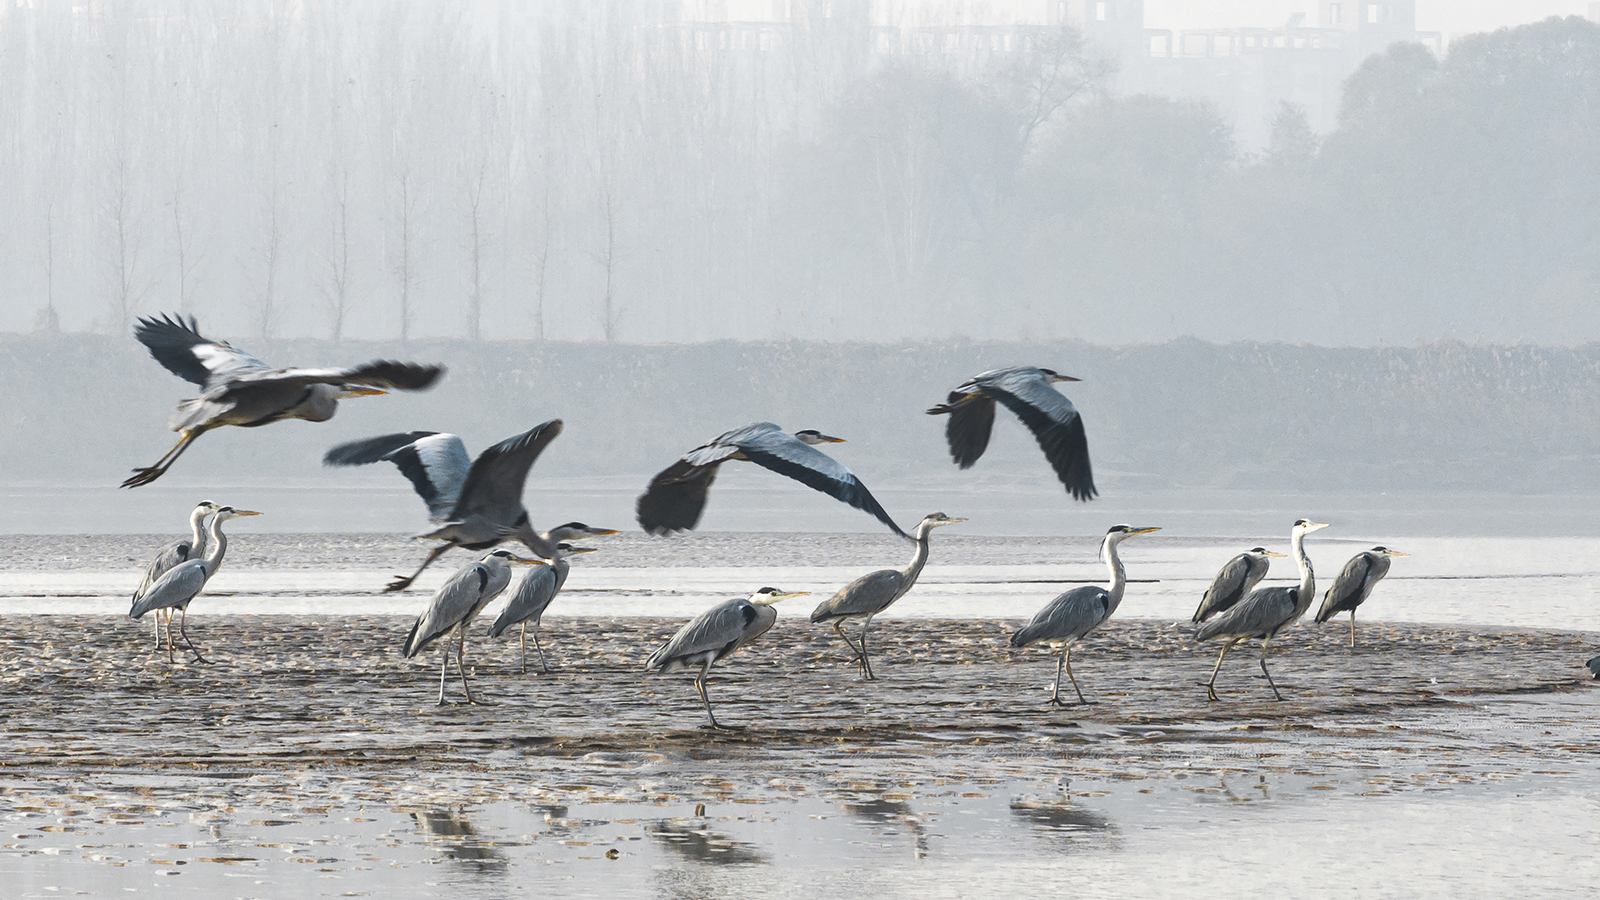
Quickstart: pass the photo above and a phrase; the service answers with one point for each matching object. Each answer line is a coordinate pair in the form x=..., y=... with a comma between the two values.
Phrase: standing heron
x=1073, y=615
x=242, y=390
x=677, y=495
x=1265, y=612
x=183, y=582
x=873, y=592
x=1234, y=582
x=539, y=587
x=1026, y=391
x=1354, y=585
x=475, y=504
x=453, y=607
x=715, y=634
x=176, y=553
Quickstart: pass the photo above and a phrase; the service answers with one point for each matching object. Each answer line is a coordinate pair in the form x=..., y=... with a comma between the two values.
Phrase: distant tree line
x=393, y=171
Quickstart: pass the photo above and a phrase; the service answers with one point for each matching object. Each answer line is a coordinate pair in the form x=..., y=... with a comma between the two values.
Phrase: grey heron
x=539, y=587
x=677, y=495
x=1026, y=391
x=873, y=592
x=475, y=504
x=183, y=582
x=716, y=634
x=1235, y=581
x=1593, y=665
x=1073, y=615
x=1354, y=585
x=453, y=607
x=1266, y=611
x=242, y=390
x=173, y=554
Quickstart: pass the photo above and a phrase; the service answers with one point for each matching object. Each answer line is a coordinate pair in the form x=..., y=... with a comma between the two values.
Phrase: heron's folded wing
x=453, y=602
x=173, y=554
x=1227, y=589
x=870, y=593
x=180, y=584
x=1345, y=592
x=1056, y=425
x=788, y=455
x=380, y=373
x=533, y=594
x=1069, y=616
x=180, y=348
x=713, y=631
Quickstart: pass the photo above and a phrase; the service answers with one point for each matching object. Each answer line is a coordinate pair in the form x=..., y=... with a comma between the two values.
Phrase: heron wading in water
x=715, y=634
x=453, y=607
x=244, y=391
x=1265, y=612
x=183, y=582
x=539, y=587
x=1354, y=585
x=677, y=495
x=175, y=554
x=1073, y=615
x=1026, y=391
x=1234, y=582
x=475, y=504
x=874, y=592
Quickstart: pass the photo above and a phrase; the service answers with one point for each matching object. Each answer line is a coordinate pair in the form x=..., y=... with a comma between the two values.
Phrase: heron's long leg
x=1352, y=629
x=1068, y=657
x=401, y=582
x=1211, y=685
x=444, y=668
x=866, y=661
x=183, y=618
x=158, y=631
x=700, y=686
x=543, y=664
x=1055, y=694
x=151, y=473
x=838, y=627
x=169, y=635
x=523, y=640
x=461, y=664
x=1265, y=643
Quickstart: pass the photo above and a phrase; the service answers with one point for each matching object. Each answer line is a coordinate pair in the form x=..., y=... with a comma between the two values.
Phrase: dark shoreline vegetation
x=1443, y=415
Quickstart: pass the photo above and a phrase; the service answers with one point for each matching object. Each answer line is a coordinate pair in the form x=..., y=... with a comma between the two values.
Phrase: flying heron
x=677, y=495
x=715, y=634
x=176, y=553
x=1026, y=391
x=1234, y=582
x=453, y=607
x=873, y=592
x=1266, y=611
x=1073, y=615
x=183, y=582
x=242, y=390
x=476, y=504
x=1354, y=585
x=539, y=587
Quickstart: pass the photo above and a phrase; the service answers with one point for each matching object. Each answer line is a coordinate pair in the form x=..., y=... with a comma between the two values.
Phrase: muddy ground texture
x=330, y=694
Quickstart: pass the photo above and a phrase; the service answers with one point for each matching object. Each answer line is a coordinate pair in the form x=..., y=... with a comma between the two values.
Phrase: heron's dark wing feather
x=869, y=594
x=181, y=349
x=1230, y=586
x=717, y=630
x=676, y=497
x=1348, y=590
x=380, y=373
x=435, y=463
x=173, y=554
x=1259, y=615
x=494, y=484
x=529, y=601
x=455, y=600
x=788, y=455
x=1056, y=425
x=971, y=421
x=1068, y=617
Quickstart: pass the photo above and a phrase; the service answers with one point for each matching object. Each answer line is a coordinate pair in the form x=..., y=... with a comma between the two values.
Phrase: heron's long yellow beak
x=1397, y=553
x=597, y=532
x=247, y=512
x=362, y=391
x=770, y=599
x=1278, y=555
x=580, y=550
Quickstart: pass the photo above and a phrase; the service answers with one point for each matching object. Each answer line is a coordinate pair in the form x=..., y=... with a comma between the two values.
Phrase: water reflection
x=1066, y=823
x=692, y=840
x=892, y=815
x=453, y=836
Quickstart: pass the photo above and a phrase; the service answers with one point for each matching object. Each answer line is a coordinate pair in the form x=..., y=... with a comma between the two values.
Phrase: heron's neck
x=217, y=547
x=197, y=533
x=1308, y=581
x=561, y=567
x=320, y=405
x=919, y=558
x=1119, y=577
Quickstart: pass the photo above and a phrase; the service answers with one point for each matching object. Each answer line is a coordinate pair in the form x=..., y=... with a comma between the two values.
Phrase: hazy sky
x=1449, y=16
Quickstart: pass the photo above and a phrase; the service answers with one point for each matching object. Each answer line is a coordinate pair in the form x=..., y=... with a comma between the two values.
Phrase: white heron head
x=934, y=520
x=1387, y=552
x=228, y=512
x=770, y=595
x=1262, y=551
x=1306, y=526
x=813, y=436
x=1116, y=534
x=571, y=530
x=1052, y=376
x=506, y=557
